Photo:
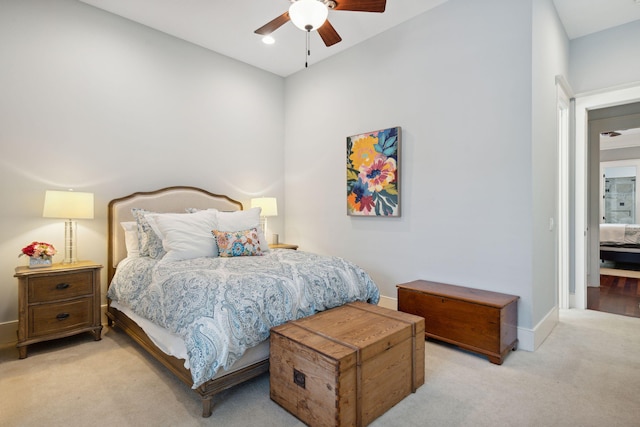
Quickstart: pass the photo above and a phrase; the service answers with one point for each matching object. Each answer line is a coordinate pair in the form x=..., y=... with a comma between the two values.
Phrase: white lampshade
x=308, y=15
x=269, y=205
x=68, y=205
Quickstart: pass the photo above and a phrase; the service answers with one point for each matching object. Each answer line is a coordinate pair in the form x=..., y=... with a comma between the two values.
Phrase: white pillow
x=131, y=238
x=243, y=220
x=187, y=235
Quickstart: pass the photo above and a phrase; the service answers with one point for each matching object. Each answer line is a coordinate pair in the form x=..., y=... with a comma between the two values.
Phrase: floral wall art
x=372, y=173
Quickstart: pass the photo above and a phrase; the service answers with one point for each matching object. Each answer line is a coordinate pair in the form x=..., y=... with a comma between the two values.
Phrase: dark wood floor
x=618, y=295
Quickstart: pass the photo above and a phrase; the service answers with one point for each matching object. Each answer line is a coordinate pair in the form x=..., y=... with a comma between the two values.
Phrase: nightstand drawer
x=60, y=286
x=59, y=317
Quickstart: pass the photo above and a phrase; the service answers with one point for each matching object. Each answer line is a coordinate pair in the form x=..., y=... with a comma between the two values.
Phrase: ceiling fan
x=611, y=133
x=311, y=15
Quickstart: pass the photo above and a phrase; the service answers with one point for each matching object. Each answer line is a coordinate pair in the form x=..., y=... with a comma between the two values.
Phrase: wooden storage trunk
x=348, y=365
x=481, y=321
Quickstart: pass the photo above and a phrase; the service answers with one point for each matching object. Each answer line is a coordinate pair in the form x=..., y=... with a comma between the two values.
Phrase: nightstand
x=57, y=302
x=283, y=246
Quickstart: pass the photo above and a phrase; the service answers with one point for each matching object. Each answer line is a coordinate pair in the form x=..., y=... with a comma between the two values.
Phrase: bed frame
x=629, y=255
x=170, y=199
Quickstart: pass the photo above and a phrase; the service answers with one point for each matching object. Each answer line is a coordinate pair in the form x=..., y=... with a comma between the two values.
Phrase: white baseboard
x=388, y=302
x=8, y=332
x=530, y=339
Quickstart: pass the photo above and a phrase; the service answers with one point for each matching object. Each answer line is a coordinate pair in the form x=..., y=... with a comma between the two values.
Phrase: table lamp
x=70, y=205
x=269, y=207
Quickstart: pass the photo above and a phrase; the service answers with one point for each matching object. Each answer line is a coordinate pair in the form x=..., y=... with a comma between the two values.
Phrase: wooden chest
x=481, y=321
x=348, y=365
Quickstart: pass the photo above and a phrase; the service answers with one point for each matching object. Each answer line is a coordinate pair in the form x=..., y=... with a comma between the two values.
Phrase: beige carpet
x=587, y=373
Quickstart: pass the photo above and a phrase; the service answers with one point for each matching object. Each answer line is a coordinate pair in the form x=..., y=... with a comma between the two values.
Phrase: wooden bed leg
x=207, y=406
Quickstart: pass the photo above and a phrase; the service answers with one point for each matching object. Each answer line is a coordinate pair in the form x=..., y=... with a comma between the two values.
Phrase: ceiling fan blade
x=361, y=5
x=329, y=34
x=273, y=25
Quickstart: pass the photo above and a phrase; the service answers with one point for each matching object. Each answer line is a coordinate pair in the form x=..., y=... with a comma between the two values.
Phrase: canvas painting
x=372, y=173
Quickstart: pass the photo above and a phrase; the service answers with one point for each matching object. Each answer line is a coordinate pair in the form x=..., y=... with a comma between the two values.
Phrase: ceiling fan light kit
x=314, y=13
x=308, y=15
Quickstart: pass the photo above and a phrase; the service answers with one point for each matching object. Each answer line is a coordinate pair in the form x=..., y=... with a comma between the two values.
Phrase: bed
x=620, y=243
x=214, y=334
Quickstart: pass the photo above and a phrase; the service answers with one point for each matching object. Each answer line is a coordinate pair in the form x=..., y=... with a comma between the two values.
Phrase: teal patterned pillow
x=238, y=243
x=149, y=242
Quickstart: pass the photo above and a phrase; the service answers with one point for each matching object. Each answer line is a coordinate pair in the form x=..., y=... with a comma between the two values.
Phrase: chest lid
x=355, y=327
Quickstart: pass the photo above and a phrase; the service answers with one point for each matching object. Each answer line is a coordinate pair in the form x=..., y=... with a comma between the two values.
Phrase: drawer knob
x=62, y=316
x=62, y=286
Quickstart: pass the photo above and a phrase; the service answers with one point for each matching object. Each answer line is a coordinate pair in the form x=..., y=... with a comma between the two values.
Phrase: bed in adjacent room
x=620, y=243
x=192, y=280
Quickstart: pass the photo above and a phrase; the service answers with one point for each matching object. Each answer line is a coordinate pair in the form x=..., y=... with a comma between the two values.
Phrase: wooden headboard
x=170, y=199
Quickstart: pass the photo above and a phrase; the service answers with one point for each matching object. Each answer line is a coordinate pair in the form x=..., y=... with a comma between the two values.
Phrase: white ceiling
x=627, y=138
x=227, y=26
x=583, y=17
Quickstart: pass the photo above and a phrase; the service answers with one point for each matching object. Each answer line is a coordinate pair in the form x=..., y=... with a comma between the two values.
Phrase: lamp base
x=70, y=231
x=263, y=224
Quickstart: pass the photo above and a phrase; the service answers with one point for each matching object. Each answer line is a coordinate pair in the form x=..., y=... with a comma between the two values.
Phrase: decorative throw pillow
x=243, y=220
x=186, y=235
x=238, y=243
x=149, y=242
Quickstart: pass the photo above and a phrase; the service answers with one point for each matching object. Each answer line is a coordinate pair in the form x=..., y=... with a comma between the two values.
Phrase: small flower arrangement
x=38, y=250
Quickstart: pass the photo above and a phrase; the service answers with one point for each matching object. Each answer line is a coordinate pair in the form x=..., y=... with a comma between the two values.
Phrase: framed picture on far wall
x=373, y=169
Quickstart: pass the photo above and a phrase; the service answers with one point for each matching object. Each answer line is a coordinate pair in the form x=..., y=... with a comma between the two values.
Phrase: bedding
x=238, y=243
x=619, y=234
x=185, y=235
x=131, y=238
x=243, y=220
x=148, y=241
x=222, y=306
x=620, y=243
x=173, y=345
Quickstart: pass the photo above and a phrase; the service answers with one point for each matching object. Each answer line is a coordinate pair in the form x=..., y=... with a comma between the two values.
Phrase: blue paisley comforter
x=223, y=306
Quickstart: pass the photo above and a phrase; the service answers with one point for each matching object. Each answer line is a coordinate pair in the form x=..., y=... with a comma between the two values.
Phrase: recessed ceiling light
x=268, y=40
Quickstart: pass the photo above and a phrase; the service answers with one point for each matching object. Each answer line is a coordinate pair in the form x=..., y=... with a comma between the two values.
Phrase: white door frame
x=584, y=103
x=563, y=258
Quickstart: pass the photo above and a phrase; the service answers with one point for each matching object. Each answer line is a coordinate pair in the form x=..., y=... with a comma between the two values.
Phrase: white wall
x=550, y=46
x=100, y=104
x=606, y=59
x=458, y=80
x=83, y=86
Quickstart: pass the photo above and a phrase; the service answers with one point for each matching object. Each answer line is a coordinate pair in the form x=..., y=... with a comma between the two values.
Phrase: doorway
x=590, y=112
x=582, y=229
x=619, y=273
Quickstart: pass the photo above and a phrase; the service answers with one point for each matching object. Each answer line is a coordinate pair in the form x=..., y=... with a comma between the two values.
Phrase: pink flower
x=38, y=250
